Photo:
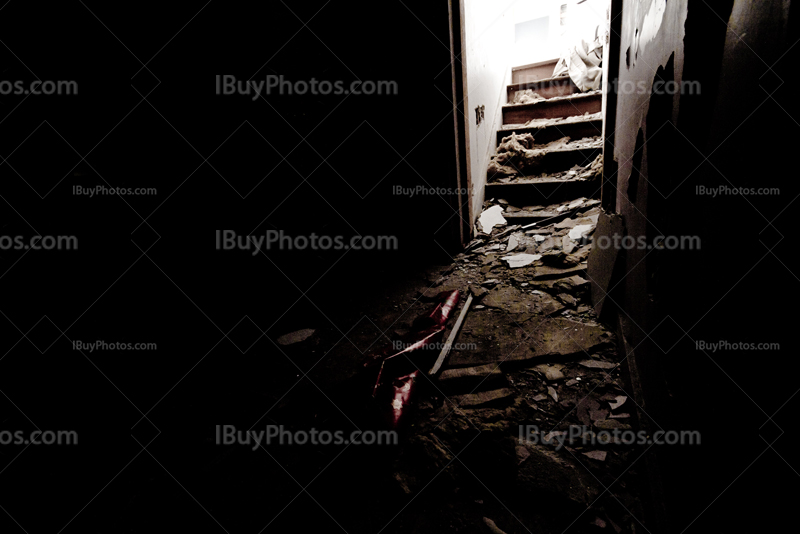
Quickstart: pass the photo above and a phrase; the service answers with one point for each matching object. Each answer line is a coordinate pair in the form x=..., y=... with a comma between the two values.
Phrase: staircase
x=549, y=109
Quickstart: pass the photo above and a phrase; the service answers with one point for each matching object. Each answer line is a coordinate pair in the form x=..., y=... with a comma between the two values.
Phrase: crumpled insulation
x=582, y=62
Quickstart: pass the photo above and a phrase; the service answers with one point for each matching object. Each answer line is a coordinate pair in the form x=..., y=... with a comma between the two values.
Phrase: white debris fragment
x=577, y=232
x=490, y=218
x=596, y=364
x=520, y=260
x=619, y=401
x=295, y=337
x=539, y=238
x=513, y=241
x=600, y=456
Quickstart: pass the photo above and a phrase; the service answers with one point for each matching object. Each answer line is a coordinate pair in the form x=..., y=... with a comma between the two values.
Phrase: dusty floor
x=530, y=352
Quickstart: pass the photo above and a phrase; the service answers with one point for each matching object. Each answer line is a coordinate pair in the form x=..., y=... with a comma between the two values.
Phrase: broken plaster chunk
x=567, y=245
x=618, y=401
x=611, y=424
x=492, y=526
x=520, y=260
x=596, y=364
x=551, y=372
x=472, y=400
x=491, y=217
x=577, y=232
x=513, y=241
x=295, y=337
x=478, y=292
x=596, y=455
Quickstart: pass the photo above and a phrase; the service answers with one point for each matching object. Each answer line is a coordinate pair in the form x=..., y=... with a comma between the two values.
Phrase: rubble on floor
x=531, y=353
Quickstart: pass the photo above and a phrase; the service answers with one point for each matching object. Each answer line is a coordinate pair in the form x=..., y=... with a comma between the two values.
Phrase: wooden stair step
x=546, y=88
x=547, y=130
x=556, y=160
x=566, y=106
x=533, y=71
x=535, y=191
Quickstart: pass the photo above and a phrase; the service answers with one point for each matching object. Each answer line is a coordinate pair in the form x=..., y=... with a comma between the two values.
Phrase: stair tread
x=530, y=85
x=538, y=124
x=545, y=101
x=573, y=145
x=539, y=215
x=521, y=180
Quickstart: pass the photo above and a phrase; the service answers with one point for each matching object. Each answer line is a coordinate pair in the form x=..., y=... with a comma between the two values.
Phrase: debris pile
x=518, y=156
x=526, y=96
x=531, y=354
x=557, y=121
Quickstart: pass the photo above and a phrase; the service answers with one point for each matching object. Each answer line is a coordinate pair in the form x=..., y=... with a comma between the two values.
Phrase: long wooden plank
x=449, y=344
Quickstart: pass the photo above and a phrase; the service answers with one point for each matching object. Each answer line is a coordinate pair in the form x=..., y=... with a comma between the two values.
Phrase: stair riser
x=545, y=89
x=564, y=160
x=550, y=109
x=521, y=195
x=531, y=73
x=576, y=130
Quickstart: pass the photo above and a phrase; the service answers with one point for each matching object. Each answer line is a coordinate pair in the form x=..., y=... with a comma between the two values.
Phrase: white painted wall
x=487, y=41
x=581, y=20
x=489, y=53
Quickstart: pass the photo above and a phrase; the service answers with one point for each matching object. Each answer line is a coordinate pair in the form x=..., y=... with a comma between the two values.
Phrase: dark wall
x=739, y=287
x=306, y=164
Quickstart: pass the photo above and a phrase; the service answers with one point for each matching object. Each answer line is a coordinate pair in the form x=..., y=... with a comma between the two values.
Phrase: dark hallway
x=398, y=267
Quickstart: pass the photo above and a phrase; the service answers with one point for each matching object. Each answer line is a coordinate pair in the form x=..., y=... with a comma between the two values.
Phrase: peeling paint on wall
x=652, y=22
x=648, y=22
